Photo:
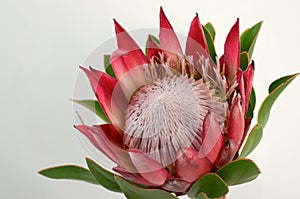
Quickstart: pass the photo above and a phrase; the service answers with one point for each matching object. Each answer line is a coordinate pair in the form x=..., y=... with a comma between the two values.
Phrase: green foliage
x=93, y=106
x=278, y=82
x=108, y=67
x=244, y=60
x=133, y=192
x=248, y=39
x=211, y=30
x=70, y=172
x=211, y=184
x=264, y=111
x=104, y=177
x=238, y=172
x=251, y=105
x=201, y=196
x=210, y=43
x=275, y=89
x=253, y=140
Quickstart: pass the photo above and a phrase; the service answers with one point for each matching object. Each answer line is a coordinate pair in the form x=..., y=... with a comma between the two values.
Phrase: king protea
x=176, y=116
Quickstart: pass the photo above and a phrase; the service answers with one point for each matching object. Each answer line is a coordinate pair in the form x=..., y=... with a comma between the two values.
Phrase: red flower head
x=174, y=116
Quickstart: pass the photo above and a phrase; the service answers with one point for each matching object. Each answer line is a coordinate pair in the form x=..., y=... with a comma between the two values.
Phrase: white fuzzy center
x=167, y=115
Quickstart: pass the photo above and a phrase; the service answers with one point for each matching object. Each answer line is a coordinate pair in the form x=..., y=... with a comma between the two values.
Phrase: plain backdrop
x=43, y=42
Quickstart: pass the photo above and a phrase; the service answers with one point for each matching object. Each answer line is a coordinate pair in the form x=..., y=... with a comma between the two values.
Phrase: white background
x=43, y=42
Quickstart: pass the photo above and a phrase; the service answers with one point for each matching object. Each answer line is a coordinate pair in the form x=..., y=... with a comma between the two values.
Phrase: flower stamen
x=167, y=115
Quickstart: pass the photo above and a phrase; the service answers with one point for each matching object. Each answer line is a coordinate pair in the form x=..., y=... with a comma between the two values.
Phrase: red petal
x=124, y=40
x=196, y=41
x=130, y=74
x=129, y=51
x=236, y=123
x=118, y=64
x=176, y=185
x=236, y=127
x=112, y=134
x=103, y=86
x=123, y=61
x=189, y=166
x=247, y=127
x=227, y=153
x=148, y=168
x=154, y=49
x=112, y=100
x=241, y=86
x=133, y=177
x=232, y=52
x=105, y=79
x=212, y=138
x=248, y=82
x=221, y=61
x=168, y=39
x=105, y=138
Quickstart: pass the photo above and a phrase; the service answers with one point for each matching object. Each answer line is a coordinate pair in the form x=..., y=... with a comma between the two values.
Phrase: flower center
x=167, y=115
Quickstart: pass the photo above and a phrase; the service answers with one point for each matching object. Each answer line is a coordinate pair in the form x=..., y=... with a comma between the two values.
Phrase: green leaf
x=252, y=141
x=249, y=37
x=133, y=192
x=264, y=111
x=243, y=37
x=211, y=184
x=108, y=67
x=253, y=98
x=211, y=30
x=251, y=105
x=275, y=90
x=201, y=196
x=70, y=172
x=244, y=60
x=93, y=106
x=239, y=171
x=155, y=39
x=278, y=82
x=210, y=43
x=104, y=177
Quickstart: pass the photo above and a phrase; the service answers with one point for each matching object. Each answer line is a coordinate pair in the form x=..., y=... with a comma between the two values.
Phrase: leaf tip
x=41, y=172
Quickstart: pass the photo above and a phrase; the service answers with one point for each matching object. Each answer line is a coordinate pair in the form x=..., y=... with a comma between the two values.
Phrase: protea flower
x=176, y=120
x=174, y=116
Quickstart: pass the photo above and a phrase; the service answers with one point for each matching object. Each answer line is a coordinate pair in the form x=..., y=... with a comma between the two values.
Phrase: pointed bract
x=133, y=177
x=236, y=122
x=129, y=70
x=128, y=51
x=227, y=153
x=212, y=139
x=232, y=52
x=189, y=166
x=241, y=87
x=168, y=39
x=124, y=40
x=236, y=127
x=154, y=49
x=104, y=137
x=118, y=64
x=196, y=42
x=103, y=86
x=248, y=76
x=176, y=185
x=148, y=168
x=222, y=67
